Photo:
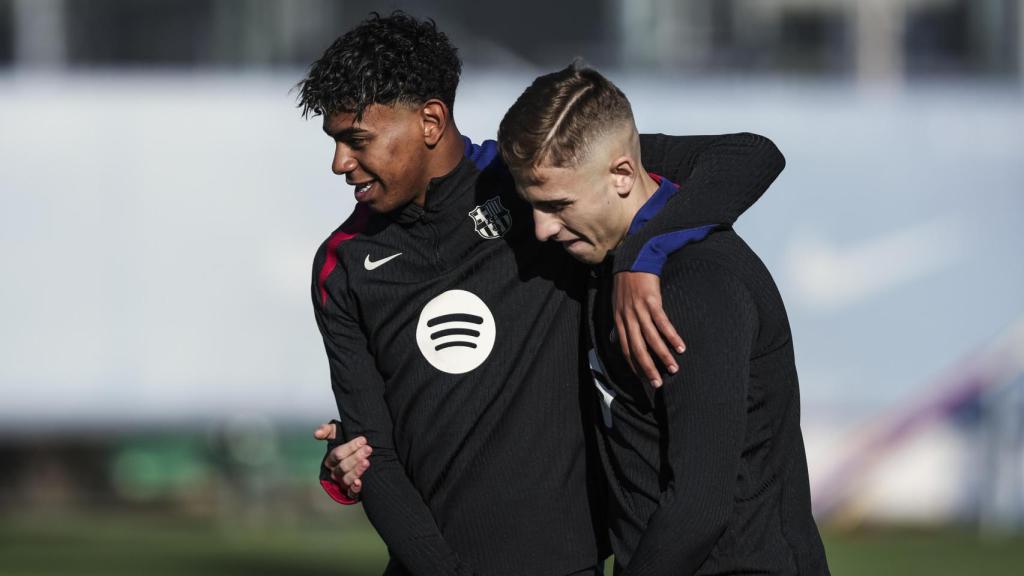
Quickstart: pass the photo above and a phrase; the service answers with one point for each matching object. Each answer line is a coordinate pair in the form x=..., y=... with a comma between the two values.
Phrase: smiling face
x=401, y=73
x=385, y=154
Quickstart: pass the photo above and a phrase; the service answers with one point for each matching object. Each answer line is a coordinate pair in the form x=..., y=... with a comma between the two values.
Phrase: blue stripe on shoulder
x=654, y=253
x=482, y=154
x=666, y=189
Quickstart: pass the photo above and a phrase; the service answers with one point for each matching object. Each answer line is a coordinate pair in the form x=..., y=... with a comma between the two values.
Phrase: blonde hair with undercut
x=555, y=120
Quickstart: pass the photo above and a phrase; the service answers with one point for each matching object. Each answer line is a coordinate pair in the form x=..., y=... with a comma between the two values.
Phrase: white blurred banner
x=157, y=233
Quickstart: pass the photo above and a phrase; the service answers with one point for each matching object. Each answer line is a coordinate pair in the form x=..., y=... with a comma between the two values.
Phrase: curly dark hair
x=384, y=60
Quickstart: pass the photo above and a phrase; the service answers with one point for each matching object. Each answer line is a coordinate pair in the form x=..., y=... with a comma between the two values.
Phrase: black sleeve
x=705, y=407
x=393, y=505
x=334, y=489
x=719, y=176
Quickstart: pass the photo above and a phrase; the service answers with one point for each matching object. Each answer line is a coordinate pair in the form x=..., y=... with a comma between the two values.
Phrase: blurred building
x=868, y=39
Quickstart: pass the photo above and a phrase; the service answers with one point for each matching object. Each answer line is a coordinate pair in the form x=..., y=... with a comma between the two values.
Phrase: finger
x=351, y=461
x=620, y=328
x=349, y=478
x=338, y=454
x=655, y=344
x=639, y=294
x=337, y=473
x=338, y=476
x=332, y=460
x=644, y=366
x=324, y=432
x=356, y=488
x=354, y=449
x=620, y=323
x=652, y=334
x=347, y=464
x=667, y=330
x=351, y=447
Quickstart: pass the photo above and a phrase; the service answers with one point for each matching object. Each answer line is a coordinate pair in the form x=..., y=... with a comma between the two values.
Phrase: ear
x=434, y=118
x=624, y=175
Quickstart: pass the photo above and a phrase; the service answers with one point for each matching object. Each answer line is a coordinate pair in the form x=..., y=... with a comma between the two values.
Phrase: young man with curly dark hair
x=453, y=335
x=706, y=475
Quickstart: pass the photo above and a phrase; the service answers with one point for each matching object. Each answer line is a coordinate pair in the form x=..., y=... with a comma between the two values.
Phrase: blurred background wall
x=161, y=199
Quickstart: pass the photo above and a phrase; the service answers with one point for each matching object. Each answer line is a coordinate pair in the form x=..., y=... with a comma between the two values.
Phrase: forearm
x=392, y=503
x=720, y=178
x=398, y=513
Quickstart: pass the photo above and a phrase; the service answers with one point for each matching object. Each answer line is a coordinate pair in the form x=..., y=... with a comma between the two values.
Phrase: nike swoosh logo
x=372, y=265
x=833, y=276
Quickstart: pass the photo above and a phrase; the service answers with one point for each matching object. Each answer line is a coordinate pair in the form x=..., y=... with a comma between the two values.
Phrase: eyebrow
x=346, y=133
x=553, y=203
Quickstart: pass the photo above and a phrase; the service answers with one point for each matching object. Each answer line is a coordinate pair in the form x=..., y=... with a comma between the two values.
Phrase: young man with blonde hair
x=706, y=475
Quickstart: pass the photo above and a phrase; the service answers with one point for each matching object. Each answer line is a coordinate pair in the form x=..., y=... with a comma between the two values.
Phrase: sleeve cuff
x=652, y=256
x=336, y=493
x=333, y=489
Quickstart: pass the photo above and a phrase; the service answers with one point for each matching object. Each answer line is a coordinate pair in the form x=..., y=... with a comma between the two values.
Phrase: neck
x=648, y=186
x=449, y=152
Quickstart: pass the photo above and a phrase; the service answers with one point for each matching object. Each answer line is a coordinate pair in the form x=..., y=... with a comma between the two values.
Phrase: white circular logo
x=455, y=332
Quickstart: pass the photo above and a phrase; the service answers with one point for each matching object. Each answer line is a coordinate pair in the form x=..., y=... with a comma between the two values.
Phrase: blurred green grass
x=120, y=544
x=113, y=545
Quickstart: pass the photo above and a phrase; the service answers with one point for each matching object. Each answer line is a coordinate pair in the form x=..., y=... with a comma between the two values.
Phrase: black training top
x=706, y=475
x=453, y=338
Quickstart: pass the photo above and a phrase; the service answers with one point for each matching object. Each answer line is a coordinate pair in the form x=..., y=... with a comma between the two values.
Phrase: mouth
x=363, y=191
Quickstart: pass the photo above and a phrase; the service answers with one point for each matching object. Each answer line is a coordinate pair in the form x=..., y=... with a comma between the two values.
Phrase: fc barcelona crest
x=491, y=220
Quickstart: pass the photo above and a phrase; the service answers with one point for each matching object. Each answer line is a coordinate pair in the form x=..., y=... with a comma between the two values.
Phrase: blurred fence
x=162, y=199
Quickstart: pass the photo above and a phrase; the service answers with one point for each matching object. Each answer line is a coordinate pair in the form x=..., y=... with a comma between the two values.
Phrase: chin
x=380, y=205
x=583, y=250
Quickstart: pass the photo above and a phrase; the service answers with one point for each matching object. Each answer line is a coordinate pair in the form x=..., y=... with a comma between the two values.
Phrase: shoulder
x=355, y=227
x=711, y=276
x=328, y=263
x=721, y=281
x=722, y=251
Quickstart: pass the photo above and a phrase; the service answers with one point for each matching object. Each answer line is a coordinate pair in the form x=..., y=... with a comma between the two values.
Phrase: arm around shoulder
x=720, y=177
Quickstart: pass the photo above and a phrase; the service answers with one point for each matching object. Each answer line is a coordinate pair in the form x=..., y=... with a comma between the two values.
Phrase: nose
x=545, y=226
x=343, y=162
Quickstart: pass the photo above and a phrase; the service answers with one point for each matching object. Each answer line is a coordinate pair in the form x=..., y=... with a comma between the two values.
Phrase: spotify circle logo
x=455, y=332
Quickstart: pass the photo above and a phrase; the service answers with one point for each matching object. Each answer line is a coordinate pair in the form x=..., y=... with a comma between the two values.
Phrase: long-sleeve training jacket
x=706, y=475
x=454, y=343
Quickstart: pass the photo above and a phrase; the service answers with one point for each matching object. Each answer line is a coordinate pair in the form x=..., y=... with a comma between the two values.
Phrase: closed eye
x=552, y=206
x=355, y=138
x=357, y=143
